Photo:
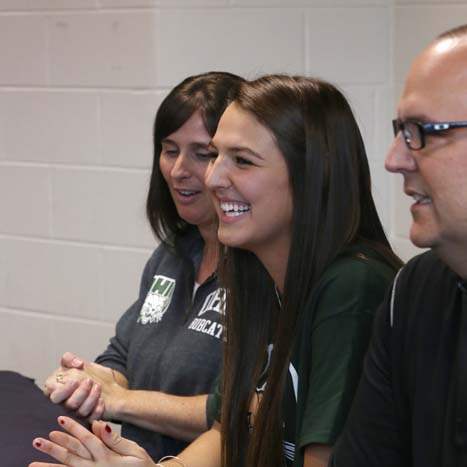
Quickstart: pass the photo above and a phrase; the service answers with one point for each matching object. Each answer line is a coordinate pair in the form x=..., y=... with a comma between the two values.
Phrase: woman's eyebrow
x=244, y=150
x=199, y=145
x=192, y=145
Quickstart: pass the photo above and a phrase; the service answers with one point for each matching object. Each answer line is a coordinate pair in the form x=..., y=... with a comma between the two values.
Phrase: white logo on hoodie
x=157, y=300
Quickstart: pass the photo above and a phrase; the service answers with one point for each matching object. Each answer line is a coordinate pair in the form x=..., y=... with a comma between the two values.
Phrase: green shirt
x=328, y=354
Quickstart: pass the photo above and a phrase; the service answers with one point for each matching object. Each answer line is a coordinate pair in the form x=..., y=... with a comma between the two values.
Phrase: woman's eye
x=170, y=152
x=239, y=160
x=206, y=156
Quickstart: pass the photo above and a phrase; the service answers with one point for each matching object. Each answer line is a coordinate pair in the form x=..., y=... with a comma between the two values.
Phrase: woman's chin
x=230, y=239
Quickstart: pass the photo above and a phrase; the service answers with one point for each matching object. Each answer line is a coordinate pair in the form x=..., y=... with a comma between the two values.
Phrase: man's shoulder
x=427, y=258
x=426, y=267
x=424, y=289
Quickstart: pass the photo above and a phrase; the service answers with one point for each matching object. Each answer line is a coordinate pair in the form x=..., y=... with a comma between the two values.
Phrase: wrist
x=170, y=460
x=116, y=402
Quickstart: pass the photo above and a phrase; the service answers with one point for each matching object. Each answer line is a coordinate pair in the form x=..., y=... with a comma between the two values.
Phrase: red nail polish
x=61, y=421
x=108, y=429
x=38, y=444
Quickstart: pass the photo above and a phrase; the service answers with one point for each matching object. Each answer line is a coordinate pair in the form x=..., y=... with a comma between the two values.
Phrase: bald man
x=411, y=406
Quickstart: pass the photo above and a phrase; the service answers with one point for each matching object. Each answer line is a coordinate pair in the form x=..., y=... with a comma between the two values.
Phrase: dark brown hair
x=333, y=208
x=209, y=93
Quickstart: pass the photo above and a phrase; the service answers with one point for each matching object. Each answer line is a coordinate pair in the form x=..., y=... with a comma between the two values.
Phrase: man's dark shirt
x=411, y=405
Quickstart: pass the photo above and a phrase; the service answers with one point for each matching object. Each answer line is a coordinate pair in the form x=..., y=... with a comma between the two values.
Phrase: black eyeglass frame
x=424, y=129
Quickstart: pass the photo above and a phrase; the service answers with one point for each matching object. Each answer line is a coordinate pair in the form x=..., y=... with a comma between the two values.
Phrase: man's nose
x=399, y=157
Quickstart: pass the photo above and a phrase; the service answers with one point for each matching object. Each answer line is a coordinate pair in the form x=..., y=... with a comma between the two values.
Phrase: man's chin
x=422, y=239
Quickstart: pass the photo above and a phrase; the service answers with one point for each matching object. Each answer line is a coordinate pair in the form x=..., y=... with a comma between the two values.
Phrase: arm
x=205, y=451
x=340, y=331
x=316, y=455
x=339, y=339
x=371, y=437
x=178, y=417
x=175, y=416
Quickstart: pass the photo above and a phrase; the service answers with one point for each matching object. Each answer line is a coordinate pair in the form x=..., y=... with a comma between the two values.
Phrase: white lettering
x=215, y=301
x=206, y=326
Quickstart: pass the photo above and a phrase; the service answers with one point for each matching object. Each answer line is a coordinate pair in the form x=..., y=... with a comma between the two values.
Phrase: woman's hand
x=81, y=448
x=89, y=389
x=76, y=391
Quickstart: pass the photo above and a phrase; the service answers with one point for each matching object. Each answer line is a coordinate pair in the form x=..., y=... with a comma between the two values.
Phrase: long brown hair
x=318, y=136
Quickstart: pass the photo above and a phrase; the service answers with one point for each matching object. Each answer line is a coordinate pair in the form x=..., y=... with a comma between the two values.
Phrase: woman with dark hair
x=306, y=265
x=168, y=343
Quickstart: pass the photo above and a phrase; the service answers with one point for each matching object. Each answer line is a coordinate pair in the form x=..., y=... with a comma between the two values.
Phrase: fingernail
x=38, y=444
x=76, y=362
x=61, y=421
x=108, y=429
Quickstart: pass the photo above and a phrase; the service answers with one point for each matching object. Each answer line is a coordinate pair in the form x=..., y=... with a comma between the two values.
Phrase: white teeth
x=420, y=199
x=234, y=209
x=187, y=193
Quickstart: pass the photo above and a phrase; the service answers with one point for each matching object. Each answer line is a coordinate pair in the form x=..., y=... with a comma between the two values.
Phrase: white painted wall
x=80, y=81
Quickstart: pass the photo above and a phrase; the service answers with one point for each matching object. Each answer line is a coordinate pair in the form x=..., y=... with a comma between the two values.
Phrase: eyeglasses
x=414, y=132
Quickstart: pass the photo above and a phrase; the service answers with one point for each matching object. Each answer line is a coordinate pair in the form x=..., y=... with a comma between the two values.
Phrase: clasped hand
x=87, y=388
x=78, y=447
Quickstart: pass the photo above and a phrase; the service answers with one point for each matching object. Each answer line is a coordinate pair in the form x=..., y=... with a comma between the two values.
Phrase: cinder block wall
x=80, y=81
